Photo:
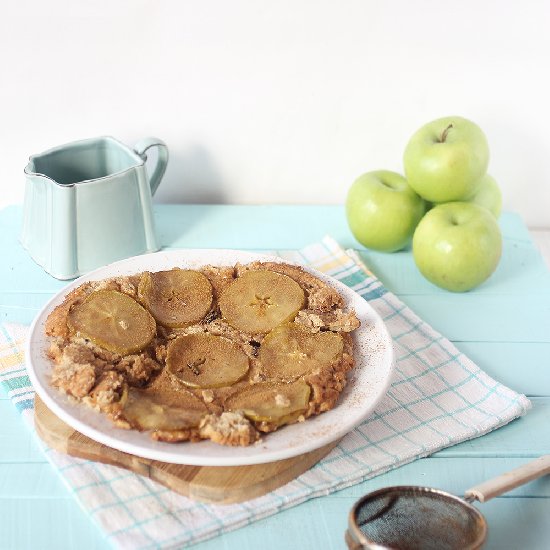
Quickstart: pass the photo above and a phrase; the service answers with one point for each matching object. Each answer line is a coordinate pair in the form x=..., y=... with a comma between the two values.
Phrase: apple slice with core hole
x=176, y=298
x=290, y=351
x=258, y=301
x=112, y=320
x=206, y=361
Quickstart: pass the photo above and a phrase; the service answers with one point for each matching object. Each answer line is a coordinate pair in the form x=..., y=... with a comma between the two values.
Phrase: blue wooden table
x=504, y=326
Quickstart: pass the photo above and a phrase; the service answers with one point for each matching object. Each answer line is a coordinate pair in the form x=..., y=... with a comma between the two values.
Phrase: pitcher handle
x=141, y=148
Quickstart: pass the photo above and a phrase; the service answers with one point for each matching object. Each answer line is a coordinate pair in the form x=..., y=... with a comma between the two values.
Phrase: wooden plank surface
x=503, y=326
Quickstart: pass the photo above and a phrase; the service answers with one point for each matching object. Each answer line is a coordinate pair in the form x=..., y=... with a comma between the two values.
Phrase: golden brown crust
x=101, y=378
x=126, y=285
x=176, y=436
x=56, y=323
x=219, y=277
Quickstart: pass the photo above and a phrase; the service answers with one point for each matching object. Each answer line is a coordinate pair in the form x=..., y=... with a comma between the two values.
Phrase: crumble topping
x=228, y=428
x=336, y=321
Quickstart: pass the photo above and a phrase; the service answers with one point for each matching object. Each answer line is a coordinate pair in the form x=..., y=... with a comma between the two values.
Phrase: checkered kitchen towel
x=438, y=398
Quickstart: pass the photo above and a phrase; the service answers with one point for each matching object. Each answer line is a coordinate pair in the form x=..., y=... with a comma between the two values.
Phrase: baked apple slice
x=206, y=361
x=176, y=298
x=258, y=301
x=291, y=350
x=276, y=403
x=112, y=320
x=161, y=410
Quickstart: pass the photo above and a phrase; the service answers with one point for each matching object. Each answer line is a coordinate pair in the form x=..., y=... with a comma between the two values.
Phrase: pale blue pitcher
x=88, y=203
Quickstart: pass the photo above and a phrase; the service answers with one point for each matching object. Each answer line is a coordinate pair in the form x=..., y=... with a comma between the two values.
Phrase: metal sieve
x=421, y=518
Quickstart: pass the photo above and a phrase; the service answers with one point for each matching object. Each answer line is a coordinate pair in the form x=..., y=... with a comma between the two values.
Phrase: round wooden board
x=214, y=484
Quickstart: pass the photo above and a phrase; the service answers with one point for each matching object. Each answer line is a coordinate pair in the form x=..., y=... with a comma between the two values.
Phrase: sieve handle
x=510, y=480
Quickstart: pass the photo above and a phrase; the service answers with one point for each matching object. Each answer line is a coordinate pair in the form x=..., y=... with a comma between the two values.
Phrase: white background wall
x=278, y=101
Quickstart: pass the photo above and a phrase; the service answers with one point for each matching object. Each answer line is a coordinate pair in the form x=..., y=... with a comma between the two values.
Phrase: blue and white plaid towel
x=438, y=398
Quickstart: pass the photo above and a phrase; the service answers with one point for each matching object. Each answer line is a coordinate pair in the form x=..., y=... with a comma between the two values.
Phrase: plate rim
x=148, y=451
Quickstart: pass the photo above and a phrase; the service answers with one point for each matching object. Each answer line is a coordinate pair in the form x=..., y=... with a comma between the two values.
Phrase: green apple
x=488, y=195
x=445, y=160
x=383, y=211
x=457, y=245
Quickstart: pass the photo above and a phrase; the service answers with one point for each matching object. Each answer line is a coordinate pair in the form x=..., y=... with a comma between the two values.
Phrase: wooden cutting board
x=214, y=484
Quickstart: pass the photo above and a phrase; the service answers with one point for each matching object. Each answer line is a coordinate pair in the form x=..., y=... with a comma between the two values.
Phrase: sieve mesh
x=414, y=518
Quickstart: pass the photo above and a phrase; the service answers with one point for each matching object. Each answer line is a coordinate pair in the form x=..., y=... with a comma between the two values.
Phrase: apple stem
x=444, y=134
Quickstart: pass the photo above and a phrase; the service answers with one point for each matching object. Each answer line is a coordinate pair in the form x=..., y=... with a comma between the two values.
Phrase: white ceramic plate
x=368, y=382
